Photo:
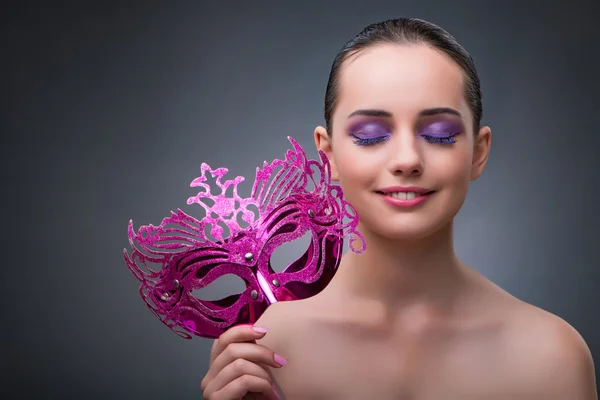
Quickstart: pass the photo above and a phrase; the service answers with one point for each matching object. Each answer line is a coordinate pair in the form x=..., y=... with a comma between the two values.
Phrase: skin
x=406, y=319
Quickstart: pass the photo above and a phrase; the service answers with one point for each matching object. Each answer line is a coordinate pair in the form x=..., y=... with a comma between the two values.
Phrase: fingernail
x=259, y=329
x=279, y=360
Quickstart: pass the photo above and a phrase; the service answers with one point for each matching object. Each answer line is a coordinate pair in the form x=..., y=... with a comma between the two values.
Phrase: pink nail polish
x=259, y=329
x=280, y=360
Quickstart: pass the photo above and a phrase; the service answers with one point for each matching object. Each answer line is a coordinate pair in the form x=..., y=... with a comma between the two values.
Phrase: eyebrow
x=371, y=113
x=423, y=113
x=439, y=110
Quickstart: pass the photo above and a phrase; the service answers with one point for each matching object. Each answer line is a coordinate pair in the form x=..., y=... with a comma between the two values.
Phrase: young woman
x=406, y=319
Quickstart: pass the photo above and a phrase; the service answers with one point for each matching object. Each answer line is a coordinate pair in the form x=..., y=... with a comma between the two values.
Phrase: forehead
x=401, y=79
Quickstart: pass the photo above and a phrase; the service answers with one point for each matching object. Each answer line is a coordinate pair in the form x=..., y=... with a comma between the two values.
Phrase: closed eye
x=369, y=141
x=439, y=140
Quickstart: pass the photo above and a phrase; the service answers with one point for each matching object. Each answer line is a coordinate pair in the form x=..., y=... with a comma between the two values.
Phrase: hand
x=235, y=371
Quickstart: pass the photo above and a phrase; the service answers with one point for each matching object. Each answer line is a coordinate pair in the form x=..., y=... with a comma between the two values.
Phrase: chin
x=409, y=230
x=410, y=226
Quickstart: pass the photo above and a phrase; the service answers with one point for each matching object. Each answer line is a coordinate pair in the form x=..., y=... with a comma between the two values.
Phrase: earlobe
x=481, y=152
x=323, y=143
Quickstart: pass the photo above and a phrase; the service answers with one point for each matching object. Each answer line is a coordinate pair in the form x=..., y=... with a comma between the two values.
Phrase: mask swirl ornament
x=237, y=236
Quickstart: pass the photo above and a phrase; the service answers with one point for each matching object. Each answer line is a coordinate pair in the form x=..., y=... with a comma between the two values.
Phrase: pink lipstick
x=404, y=196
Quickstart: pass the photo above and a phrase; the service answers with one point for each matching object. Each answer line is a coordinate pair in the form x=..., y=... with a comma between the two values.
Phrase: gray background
x=108, y=111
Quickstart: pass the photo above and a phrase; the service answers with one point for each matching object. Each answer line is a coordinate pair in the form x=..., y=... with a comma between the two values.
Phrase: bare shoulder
x=549, y=357
x=283, y=320
x=276, y=320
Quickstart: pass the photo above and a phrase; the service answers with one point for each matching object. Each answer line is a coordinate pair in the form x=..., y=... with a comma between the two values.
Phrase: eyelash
x=369, y=141
x=429, y=139
x=439, y=140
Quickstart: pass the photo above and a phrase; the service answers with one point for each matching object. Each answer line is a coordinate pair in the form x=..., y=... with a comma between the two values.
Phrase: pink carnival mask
x=289, y=198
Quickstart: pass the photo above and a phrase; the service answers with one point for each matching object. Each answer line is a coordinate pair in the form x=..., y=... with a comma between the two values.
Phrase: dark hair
x=407, y=31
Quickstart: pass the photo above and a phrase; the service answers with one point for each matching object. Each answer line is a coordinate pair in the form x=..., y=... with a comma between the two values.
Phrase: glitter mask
x=238, y=236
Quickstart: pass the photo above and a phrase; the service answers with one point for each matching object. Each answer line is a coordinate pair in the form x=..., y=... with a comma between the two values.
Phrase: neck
x=395, y=272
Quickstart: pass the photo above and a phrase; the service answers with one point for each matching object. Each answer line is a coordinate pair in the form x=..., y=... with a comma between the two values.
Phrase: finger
x=235, y=370
x=246, y=384
x=252, y=352
x=240, y=333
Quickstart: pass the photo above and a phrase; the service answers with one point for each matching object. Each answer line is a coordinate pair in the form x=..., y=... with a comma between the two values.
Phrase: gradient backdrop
x=109, y=109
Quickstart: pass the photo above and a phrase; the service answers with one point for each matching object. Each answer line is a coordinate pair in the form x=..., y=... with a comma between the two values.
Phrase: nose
x=406, y=158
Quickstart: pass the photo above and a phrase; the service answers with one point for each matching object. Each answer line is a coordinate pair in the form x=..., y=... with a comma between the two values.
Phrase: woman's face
x=403, y=147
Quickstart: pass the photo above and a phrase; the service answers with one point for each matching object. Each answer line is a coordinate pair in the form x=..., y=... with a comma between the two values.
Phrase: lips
x=404, y=197
x=404, y=193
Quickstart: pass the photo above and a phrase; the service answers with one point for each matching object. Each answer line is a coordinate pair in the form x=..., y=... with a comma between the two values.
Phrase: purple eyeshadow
x=442, y=129
x=366, y=133
x=369, y=130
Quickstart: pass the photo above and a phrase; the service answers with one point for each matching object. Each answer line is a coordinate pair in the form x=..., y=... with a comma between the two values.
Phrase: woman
x=406, y=319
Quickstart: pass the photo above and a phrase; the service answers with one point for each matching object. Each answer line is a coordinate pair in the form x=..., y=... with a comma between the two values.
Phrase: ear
x=323, y=143
x=483, y=141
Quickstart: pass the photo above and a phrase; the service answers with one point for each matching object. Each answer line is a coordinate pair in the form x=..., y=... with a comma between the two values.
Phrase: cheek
x=357, y=172
x=454, y=167
x=356, y=167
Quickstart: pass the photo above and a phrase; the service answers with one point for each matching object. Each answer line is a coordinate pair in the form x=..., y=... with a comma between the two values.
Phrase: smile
x=404, y=197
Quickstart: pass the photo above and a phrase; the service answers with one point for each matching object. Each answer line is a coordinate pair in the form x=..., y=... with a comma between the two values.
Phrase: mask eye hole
x=289, y=252
x=221, y=288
